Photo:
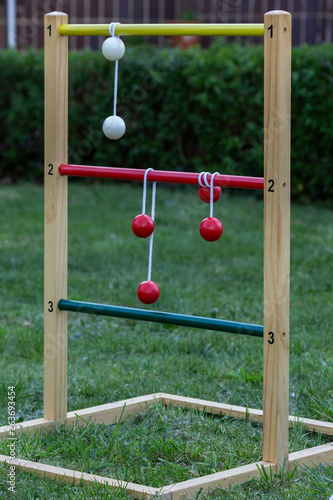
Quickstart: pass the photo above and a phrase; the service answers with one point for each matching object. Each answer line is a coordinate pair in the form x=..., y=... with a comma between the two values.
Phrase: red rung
x=137, y=174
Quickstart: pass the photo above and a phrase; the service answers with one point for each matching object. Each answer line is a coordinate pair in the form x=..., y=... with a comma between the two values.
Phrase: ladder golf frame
x=275, y=414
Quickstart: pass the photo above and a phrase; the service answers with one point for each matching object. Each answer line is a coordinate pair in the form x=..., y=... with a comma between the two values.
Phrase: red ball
x=211, y=229
x=143, y=226
x=204, y=193
x=148, y=292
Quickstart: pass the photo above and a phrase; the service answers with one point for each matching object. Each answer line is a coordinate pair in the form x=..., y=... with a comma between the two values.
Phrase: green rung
x=162, y=317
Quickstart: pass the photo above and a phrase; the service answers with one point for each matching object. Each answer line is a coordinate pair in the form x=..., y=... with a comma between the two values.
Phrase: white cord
x=205, y=183
x=153, y=201
x=145, y=191
x=211, y=193
x=112, y=29
x=153, y=197
x=115, y=88
x=150, y=260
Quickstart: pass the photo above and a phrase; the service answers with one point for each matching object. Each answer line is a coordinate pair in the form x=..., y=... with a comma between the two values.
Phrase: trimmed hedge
x=200, y=109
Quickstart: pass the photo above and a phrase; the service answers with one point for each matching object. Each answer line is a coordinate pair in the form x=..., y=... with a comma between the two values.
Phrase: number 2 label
x=271, y=185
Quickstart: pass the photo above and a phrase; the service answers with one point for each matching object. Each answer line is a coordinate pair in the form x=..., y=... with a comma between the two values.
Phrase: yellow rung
x=164, y=29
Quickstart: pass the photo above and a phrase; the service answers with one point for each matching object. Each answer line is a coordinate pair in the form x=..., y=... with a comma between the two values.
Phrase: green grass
x=114, y=359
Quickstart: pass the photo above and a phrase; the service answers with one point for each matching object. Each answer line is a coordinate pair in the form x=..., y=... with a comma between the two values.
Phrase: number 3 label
x=271, y=338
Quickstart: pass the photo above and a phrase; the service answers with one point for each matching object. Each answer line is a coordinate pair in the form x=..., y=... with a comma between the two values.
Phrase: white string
x=115, y=88
x=112, y=29
x=145, y=191
x=153, y=201
x=205, y=182
x=211, y=193
x=150, y=260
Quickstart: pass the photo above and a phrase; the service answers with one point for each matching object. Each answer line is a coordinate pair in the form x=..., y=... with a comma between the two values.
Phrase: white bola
x=114, y=127
x=113, y=48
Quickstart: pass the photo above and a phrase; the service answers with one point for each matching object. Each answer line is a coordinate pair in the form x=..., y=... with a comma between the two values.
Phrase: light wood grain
x=111, y=413
x=277, y=83
x=55, y=219
x=312, y=425
x=241, y=475
x=312, y=456
x=213, y=407
x=108, y=414
x=223, y=479
x=28, y=427
x=243, y=412
x=68, y=475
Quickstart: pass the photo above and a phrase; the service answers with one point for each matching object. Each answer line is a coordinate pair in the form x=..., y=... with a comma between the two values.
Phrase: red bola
x=148, y=292
x=204, y=193
x=211, y=229
x=143, y=226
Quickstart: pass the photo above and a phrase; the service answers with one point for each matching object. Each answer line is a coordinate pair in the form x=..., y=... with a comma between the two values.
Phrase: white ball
x=113, y=48
x=114, y=127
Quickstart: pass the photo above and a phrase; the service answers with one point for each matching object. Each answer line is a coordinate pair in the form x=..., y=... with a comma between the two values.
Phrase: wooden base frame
x=113, y=412
x=275, y=414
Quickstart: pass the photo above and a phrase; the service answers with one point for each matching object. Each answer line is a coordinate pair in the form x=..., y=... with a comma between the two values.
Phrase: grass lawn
x=114, y=359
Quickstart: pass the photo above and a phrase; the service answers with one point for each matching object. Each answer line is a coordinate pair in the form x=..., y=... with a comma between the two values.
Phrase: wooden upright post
x=55, y=245
x=277, y=90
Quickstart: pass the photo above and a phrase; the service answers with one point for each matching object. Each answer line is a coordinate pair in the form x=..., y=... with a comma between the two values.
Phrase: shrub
x=200, y=109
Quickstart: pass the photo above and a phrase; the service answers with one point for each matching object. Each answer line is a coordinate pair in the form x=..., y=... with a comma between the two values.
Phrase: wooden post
x=277, y=89
x=55, y=242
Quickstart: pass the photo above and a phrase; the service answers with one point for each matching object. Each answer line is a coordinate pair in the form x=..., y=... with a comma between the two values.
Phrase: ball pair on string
x=143, y=226
x=113, y=49
x=211, y=228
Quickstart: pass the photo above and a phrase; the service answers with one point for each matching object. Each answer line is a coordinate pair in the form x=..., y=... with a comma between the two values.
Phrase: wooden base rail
x=111, y=413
